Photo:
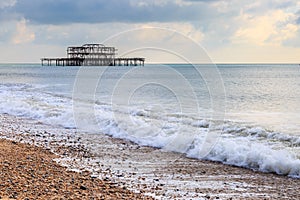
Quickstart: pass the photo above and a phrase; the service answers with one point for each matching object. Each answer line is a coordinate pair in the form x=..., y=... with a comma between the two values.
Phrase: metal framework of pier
x=92, y=55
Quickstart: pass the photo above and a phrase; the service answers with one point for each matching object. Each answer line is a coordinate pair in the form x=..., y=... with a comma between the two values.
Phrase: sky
x=163, y=31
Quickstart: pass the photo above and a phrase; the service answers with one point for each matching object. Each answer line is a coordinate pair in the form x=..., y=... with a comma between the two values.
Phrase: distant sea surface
x=260, y=130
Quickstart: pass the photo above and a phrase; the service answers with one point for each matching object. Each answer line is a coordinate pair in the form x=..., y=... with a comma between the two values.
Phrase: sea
x=246, y=115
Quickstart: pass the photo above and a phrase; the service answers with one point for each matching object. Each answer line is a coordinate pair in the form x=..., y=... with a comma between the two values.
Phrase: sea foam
x=239, y=145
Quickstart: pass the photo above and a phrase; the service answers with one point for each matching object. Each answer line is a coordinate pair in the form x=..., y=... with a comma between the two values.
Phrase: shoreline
x=144, y=170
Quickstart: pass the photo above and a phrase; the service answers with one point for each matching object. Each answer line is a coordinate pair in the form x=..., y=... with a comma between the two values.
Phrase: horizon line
x=162, y=63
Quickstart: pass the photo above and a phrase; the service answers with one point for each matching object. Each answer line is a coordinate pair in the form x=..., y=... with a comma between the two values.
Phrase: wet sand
x=128, y=167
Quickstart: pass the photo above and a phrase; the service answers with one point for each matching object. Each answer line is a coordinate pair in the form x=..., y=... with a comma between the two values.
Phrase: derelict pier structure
x=92, y=55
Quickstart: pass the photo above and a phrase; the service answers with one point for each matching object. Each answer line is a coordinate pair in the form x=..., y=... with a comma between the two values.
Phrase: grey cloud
x=101, y=11
x=206, y=1
x=285, y=4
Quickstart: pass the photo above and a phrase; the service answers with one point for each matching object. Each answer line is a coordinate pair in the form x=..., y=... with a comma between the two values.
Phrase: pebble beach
x=29, y=172
x=36, y=162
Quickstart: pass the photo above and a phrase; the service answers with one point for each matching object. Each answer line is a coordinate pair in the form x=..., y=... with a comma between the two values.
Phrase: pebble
x=83, y=187
x=41, y=178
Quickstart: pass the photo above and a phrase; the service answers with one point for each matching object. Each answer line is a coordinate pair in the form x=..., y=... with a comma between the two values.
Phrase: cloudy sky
x=231, y=31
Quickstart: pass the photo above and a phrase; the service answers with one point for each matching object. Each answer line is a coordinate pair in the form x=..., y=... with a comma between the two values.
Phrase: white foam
x=249, y=153
x=26, y=101
x=251, y=147
x=263, y=133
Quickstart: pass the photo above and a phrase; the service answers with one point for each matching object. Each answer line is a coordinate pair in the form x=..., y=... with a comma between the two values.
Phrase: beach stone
x=42, y=178
x=83, y=187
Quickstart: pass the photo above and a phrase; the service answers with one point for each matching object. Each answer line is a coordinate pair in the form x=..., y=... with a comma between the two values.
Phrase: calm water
x=170, y=106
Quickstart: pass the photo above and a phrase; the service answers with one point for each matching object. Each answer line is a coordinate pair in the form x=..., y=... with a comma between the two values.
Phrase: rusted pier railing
x=93, y=62
x=92, y=55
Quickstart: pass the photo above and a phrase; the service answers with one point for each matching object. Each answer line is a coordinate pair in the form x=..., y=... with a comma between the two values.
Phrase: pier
x=92, y=55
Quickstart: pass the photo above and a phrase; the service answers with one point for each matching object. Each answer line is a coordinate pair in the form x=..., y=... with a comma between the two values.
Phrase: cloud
x=76, y=34
x=206, y=1
x=298, y=14
x=7, y=3
x=216, y=24
x=102, y=11
x=23, y=34
x=273, y=28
